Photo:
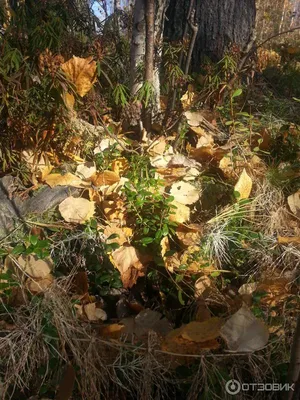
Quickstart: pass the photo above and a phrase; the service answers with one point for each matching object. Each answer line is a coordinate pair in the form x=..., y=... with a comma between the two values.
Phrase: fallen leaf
x=67, y=383
x=147, y=320
x=158, y=147
x=112, y=331
x=104, y=178
x=180, y=213
x=189, y=235
x=123, y=234
x=35, y=267
x=86, y=170
x=66, y=180
x=40, y=167
x=114, y=210
x=243, y=185
x=76, y=210
x=130, y=263
x=201, y=285
x=294, y=203
x=184, y=193
x=120, y=166
x=243, y=332
x=81, y=72
x=81, y=282
x=171, y=261
x=39, y=285
x=93, y=313
x=288, y=240
x=69, y=100
x=202, y=331
x=188, y=99
x=248, y=288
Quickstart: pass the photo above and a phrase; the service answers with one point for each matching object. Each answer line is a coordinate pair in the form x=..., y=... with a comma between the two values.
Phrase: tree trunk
x=161, y=7
x=137, y=55
x=220, y=23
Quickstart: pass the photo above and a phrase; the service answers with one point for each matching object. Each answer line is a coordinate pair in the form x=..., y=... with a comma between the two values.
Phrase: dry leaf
x=123, y=233
x=294, y=203
x=114, y=209
x=81, y=72
x=287, y=240
x=104, y=178
x=158, y=147
x=180, y=214
x=40, y=167
x=66, y=180
x=172, y=261
x=244, y=185
x=193, y=118
x=76, y=210
x=188, y=99
x=185, y=193
x=130, y=263
x=81, y=282
x=86, y=170
x=120, y=166
x=248, y=288
x=69, y=100
x=35, y=267
x=202, y=331
x=244, y=333
x=189, y=235
x=201, y=285
x=39, y=285
x=147, y=320
x=93, y=313
x=112, y=331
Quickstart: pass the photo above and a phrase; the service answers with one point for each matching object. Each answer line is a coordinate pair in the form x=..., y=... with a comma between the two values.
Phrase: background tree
x=220, y=23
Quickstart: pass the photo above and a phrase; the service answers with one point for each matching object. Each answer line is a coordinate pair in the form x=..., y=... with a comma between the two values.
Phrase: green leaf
x=147, y=240
x=3, y=252
x=227, y=123
x=215, y=274
x=237, y=93
x=19, y=249
x=33, y=239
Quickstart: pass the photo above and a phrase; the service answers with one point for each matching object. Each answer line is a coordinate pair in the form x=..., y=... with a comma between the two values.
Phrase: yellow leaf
x=114, y=209
x=104, y=178
x=65, y=180
x=180, y=214
x=123, y=233
x=69, y=100
x=184, y=193
x=244, y=185
x=81, y=72
x=76, y=210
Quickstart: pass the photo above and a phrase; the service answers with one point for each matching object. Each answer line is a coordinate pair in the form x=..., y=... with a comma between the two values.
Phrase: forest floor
x=155, y=268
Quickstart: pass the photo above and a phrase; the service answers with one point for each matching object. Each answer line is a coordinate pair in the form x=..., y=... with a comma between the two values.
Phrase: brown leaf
x=104, y=178
x=112, y=331
x=65, y=180
x=39, y=285
x=114, y=209
x=81, y=72
x=77, y=210
x=201, y=285
x=35, y=267
x=123, y=233
x=202, y=331
x=81, y=282
x=287, y=240
x=130, y=263
x=189, y=235
x=67, y=383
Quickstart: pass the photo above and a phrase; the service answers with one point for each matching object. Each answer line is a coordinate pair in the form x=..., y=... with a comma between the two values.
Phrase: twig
x=194, y=27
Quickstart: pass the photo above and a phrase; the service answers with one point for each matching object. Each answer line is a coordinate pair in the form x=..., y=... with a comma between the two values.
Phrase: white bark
x=137, y=55
x=161, y=7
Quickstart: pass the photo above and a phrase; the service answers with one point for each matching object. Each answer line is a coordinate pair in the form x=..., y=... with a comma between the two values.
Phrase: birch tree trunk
x=160, y=15
x=137, y=52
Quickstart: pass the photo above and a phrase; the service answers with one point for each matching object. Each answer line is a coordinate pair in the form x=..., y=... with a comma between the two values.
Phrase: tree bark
x=294, y=368
x=149, y=56
x=220, y=23
x=137, y=54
